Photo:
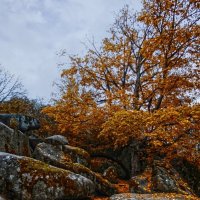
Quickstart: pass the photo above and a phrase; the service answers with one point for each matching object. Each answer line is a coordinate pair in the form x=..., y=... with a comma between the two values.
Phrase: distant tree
x=30, y=107
x=10, y=86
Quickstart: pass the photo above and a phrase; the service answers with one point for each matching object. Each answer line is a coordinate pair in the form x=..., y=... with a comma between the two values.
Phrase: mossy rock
x=56, y=157
x=30, y=179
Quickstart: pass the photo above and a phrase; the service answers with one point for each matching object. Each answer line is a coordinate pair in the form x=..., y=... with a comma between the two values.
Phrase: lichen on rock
x=27, y=178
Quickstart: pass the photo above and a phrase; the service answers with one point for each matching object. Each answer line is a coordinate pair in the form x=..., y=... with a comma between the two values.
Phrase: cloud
x=33, y=31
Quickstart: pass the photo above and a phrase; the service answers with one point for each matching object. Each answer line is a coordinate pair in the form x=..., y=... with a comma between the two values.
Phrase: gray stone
x=155, y=196
x=13, y=141
x=26, y=178
x=163, y=181
x=57, y=140
x=20, y=122
x=55, y=156
x=159, y=179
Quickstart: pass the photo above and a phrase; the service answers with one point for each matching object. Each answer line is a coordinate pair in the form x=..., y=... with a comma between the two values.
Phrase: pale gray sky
x=33, y=31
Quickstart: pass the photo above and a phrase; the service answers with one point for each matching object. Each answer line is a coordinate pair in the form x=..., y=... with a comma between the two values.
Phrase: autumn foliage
x=142, y=83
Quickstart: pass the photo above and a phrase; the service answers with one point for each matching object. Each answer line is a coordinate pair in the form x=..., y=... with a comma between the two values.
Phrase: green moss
x=52, y=176
x=78, y=151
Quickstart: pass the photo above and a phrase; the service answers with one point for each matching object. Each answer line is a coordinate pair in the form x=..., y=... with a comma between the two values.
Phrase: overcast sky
x=32, y=32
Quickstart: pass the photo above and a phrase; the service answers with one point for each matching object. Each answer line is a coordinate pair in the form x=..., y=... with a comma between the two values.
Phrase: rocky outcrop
x=20, y=122
x=130, y=157
x=54, y=155
x=13, y=141
x=74, y=154
x=189, y=171
x=155, y=196
x=26, y=178
x=100, y=164
x=78, y=155
x=159, y=179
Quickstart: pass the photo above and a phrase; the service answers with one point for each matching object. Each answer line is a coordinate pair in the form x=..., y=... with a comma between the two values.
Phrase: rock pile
x=47, y=169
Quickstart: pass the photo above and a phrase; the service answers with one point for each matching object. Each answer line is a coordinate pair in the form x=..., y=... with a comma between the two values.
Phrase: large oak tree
x=149, y=62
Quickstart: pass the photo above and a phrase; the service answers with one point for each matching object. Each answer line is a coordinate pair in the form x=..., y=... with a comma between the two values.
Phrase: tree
x=149, y=62
x=9, y=86
x=171, y=131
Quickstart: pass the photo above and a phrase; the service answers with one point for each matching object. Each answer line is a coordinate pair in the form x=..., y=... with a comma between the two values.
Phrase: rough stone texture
x=78, y=155
x=57, y=140
x=142, y=183
x=159, y=179
x=163, y=181
x=20, y=122
x=168, y=180
x=55, y=156
x=111, y=174
x=100, y=164
x=156, y=196
x=26, y=178
x=13, y=141
x=64, y=153
x=129, y=157
x=190, y=172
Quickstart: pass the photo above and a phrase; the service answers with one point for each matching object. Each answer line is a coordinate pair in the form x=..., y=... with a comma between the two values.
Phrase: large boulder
x=55, y=156
x=20, y=122
x=159, y=178
x=155, y=196
x=26, y=178
x=13, y=141
x=77, y=155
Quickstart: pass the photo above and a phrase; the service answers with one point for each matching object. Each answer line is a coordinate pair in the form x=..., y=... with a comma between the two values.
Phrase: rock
x=130, y=157
x=77, y=154
x=100, y=164
x=169, y=181
x=66, y=153
x=163, y=181
x=34, y=141
x=26, y=178
x=189, y=171
x=13, y=141
x=20, y=122
x=159, y=179
x=111, y=174
x=57, y=140
x=55, y=156
x=142, y=183
x=156, y=196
